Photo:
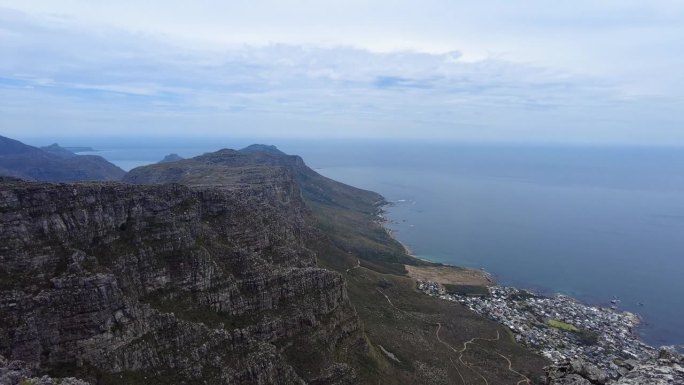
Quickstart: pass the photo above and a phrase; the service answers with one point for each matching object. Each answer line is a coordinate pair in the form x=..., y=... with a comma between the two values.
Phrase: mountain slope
x=349, y=213
x=412, y=338
x=54, y=165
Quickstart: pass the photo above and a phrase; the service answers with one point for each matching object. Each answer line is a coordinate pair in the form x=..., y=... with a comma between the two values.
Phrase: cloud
x=62, y=73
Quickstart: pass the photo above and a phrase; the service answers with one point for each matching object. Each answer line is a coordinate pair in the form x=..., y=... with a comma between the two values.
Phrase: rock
x=669, y=354
x=588, y=371
x=572, y=379
x=631, y=364
x=575, y=372
x=205, y=284
x=13, y=372
x=667, y=369
x=171, y=158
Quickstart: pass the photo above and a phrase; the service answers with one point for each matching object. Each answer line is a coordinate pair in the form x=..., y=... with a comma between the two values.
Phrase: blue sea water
x=596, y=223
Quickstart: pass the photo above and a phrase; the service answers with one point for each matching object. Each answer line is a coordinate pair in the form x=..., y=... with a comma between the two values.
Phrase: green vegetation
x=472, y=290
x=349, y=217
x=562, y=325
x=585, y=337
x=407, y=328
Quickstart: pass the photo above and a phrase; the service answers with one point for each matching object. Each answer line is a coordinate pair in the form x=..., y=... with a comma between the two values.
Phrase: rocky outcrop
x=171, y=158
x=576, y=372
x=58, y=150
x=667, y=369
x=19, y=373
x=116, y=283
x=262, y=148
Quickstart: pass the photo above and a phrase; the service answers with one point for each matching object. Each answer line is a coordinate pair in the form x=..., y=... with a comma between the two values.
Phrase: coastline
x=407, y=250
x=454, y=274
x=590, y=344
x=630, y=346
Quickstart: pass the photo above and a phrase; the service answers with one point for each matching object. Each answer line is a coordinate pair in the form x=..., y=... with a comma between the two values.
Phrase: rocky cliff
x=115, y=283
x=204, y=270
x=409, y=338
x=345, y=213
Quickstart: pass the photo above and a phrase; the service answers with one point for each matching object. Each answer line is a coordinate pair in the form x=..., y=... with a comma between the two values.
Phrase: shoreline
x=637, y=320
x=489, y=277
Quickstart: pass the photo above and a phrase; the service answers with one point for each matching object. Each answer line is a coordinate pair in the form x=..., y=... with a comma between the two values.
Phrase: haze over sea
x=596, y=223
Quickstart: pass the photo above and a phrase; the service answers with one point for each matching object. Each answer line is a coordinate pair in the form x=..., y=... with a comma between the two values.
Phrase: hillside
x=413, y=339
x=53, y=164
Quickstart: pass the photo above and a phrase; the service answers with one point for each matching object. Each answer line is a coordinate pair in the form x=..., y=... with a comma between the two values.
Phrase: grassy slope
x=408, y=328
x=349, y=217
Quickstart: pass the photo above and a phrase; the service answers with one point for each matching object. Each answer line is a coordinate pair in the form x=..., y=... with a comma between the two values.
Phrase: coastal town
x=558, y=327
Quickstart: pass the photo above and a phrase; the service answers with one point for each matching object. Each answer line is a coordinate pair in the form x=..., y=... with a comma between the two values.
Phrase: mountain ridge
x=230, y=267
x=53, y=163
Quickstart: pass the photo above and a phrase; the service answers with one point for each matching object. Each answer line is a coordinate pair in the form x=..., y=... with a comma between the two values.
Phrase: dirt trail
x=358, y=264
x=461, y=351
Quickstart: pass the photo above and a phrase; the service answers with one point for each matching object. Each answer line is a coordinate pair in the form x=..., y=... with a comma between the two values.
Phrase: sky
x=581, y=71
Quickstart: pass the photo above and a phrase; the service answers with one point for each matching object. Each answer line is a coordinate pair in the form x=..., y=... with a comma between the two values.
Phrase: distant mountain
x=53, y=163
x=56, y=149
x=265, y=148
x=224, y=163
x=171, y=158
x=249, y=166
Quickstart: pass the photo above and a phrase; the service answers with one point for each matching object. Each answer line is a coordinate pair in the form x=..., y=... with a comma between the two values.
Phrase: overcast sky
x=609, y=71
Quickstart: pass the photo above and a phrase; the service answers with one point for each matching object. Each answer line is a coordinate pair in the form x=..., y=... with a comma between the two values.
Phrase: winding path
x=358, y=264
x=524, y=380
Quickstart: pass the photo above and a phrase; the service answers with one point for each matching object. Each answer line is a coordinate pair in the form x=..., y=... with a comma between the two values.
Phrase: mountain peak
x=265, y=148
x=58, y=150
x=171, y=158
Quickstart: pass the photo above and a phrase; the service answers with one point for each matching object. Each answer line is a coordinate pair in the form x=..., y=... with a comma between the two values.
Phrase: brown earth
x=450, y=275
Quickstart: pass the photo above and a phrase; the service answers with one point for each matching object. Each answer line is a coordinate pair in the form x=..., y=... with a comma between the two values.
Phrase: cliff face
x=141, y=284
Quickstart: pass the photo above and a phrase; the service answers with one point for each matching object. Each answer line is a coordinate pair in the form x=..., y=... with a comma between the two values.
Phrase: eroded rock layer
x=113, y=282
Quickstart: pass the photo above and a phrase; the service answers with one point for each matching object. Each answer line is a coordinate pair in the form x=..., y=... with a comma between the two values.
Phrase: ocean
x=597, y=223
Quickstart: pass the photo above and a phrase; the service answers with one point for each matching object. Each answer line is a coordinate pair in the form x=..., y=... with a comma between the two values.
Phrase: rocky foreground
x=665, y=369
